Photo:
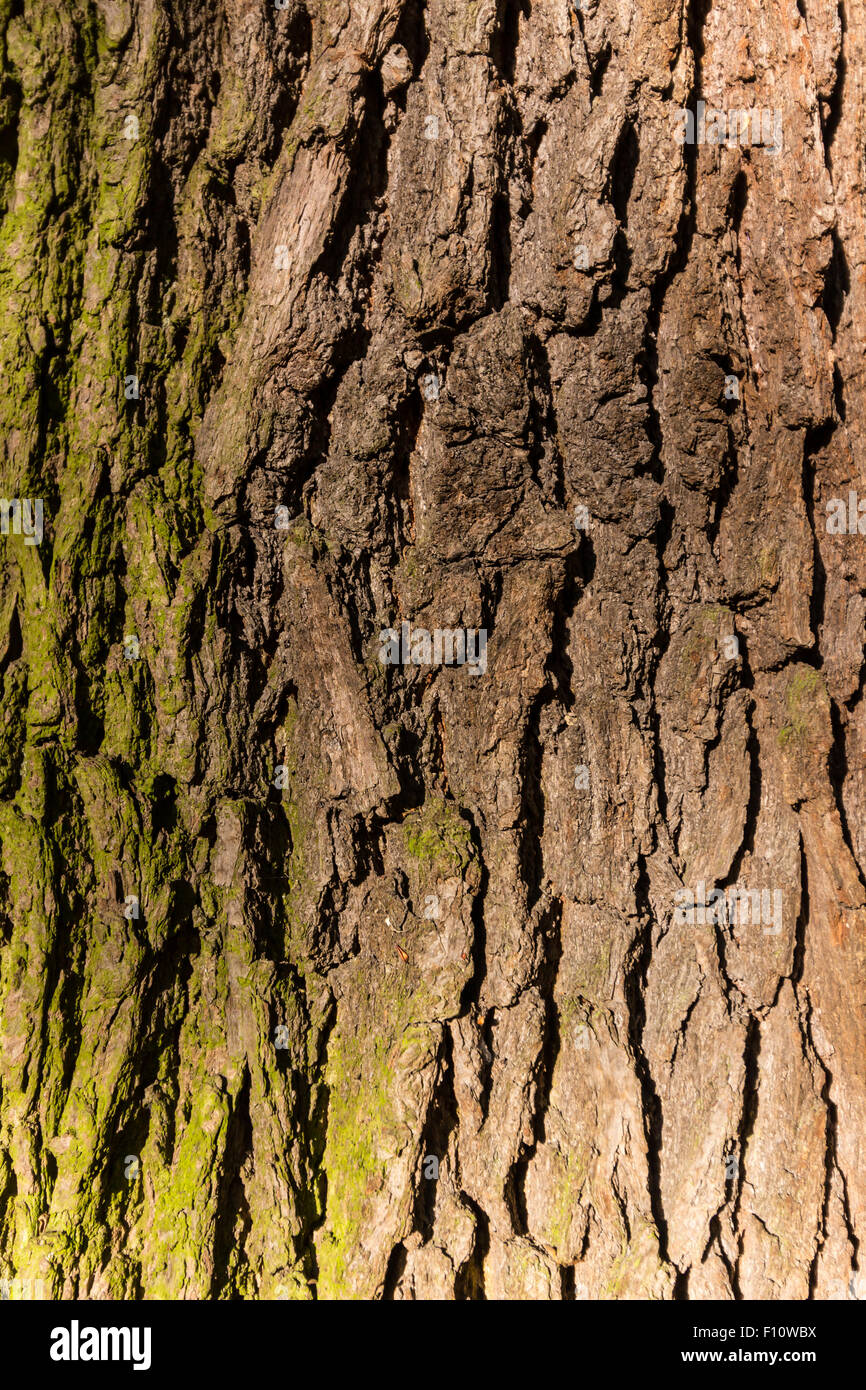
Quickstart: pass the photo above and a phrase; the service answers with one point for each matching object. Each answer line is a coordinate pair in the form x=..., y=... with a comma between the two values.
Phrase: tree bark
x=332, y=973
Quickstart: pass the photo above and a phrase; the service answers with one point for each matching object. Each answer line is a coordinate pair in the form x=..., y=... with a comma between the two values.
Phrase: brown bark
x=324, y=975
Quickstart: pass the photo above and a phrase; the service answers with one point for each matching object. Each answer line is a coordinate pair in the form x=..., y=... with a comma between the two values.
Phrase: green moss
x=800, y=699
x=97, y=739
x=366, y=1125
x=638, y=1272
x=568, y=1189
x=438, y=835
x=594, y=974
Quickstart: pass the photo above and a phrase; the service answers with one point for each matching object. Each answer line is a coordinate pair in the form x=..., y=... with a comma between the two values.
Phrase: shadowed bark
x=433, y=748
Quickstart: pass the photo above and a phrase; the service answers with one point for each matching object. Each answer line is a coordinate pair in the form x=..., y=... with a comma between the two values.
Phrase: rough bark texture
x=430, y=277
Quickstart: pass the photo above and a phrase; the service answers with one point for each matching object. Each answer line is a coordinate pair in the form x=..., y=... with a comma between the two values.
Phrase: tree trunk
x=432, y=781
